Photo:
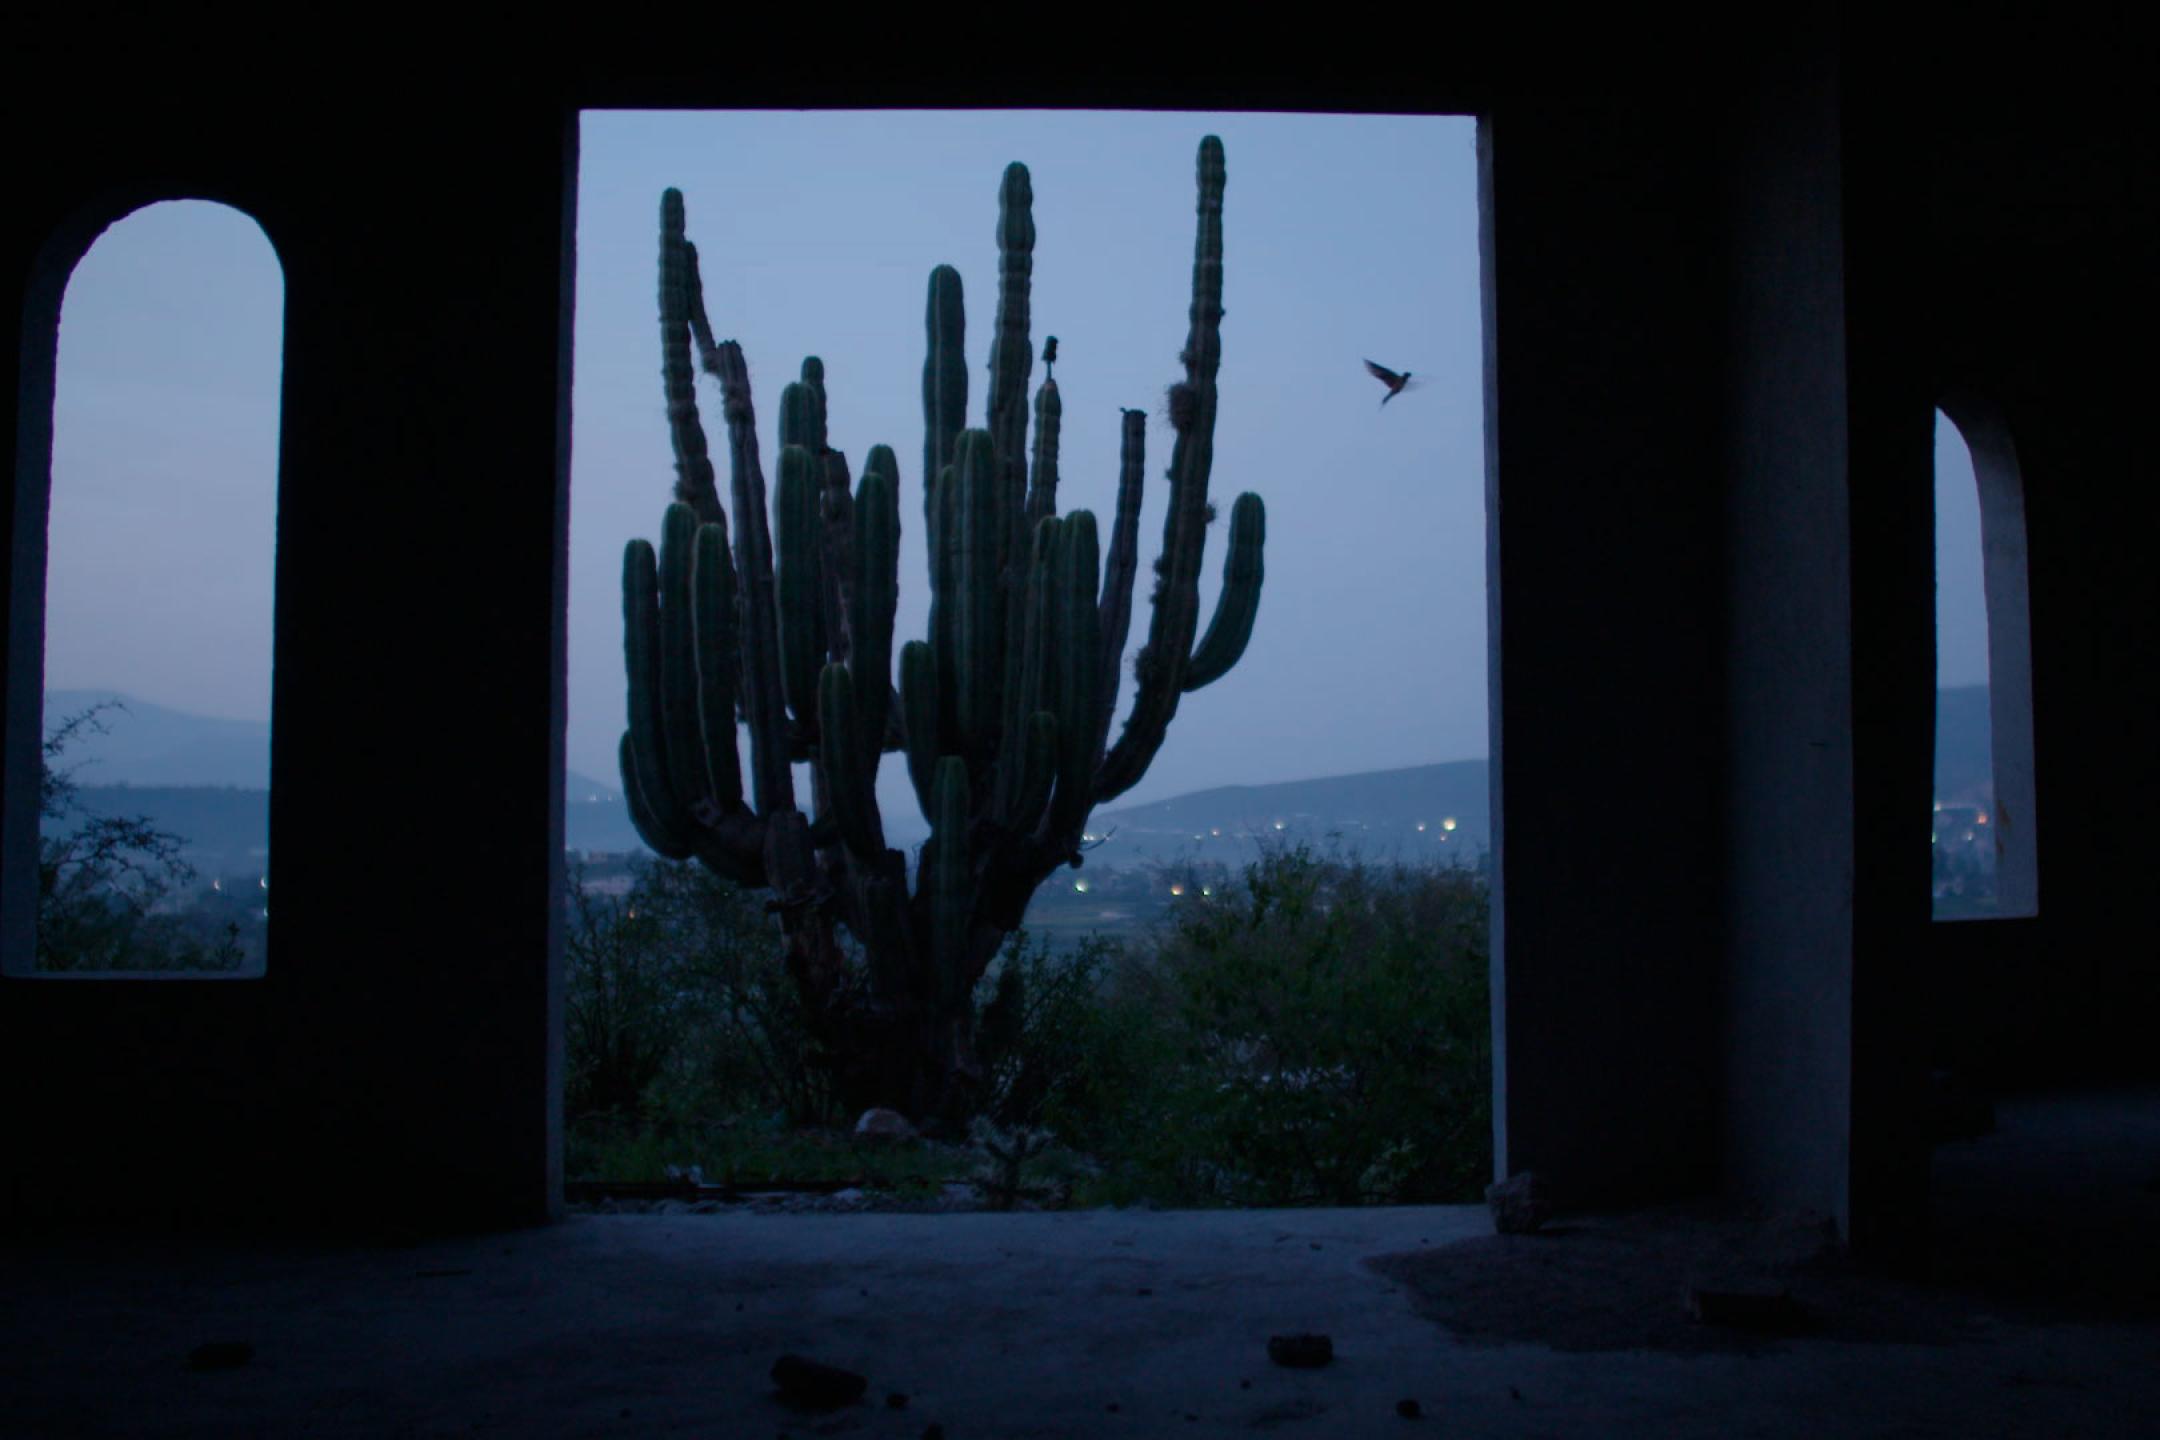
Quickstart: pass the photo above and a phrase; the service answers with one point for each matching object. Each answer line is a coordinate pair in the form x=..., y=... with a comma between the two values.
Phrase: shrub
x=1317, y=1035
x=102, y=879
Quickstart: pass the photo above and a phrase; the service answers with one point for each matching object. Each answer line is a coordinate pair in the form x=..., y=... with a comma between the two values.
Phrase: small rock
x=220, y=1355
x=896, y=1401
x=884, y=1126
x=1409, y=1409
x=1770, y=1311
x=1519, y=1204
x=816, y=1386
x=1300, y=1352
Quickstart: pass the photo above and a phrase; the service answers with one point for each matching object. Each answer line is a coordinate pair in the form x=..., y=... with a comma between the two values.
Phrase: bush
x=677, y=1005
x=103, y=880
x=1318, y=1035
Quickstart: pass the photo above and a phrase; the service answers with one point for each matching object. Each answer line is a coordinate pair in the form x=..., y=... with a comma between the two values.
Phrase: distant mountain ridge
x=160, y=762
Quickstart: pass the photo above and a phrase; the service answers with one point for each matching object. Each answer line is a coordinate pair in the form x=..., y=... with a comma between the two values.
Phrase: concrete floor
x=1098, y=1323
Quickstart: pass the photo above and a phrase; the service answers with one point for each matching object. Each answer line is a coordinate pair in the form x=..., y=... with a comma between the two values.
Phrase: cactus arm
x=840, y=751
x=682, y=311
x=679, y=697
x=944, y=540
x=802, y=414
x=1161, y=667
x=764, y=703
x=873, y=597
x=654, y=831
x=719, y=661
x=1012, y=354
x=945, y=378
x=836, y=512
x=919, y=720
x=951, y=893
x=1042, y=488
x=1077, y=655
x=1024, y=687
x=642, y=664
x=1121, y=568
x=1239, y=601
x=979, y=634
x=799, y=582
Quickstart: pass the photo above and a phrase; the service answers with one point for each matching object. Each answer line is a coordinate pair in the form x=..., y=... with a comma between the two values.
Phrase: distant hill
x=1376, y=813
x=146, y=744
x=206, y=779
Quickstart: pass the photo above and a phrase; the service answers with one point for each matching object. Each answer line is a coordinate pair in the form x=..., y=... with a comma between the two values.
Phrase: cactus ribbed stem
x=1120, y=570
x=1161, y=669
x=854, y=793
x=919, y=719
x=979, y=635
x=945, y=378
x=1042, y=487
x=764, y=702
x=719, y=661
x=681, y=309
x=800, y=584
x=678, y=662
x=1239, y=601
x=873, y=595
x=951, y=893
x=1077, y=660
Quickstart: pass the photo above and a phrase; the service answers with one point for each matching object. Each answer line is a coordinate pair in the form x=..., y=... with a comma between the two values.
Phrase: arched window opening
x=1983, y=806
x=153, y=823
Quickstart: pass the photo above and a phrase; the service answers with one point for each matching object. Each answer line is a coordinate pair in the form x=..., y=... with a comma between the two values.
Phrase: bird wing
x=1383, y=374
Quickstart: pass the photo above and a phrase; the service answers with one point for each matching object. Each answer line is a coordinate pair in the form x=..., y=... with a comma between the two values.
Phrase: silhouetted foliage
x=102, y=879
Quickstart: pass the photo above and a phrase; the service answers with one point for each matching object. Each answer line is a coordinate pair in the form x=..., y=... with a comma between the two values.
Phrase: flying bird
x=1389, y=378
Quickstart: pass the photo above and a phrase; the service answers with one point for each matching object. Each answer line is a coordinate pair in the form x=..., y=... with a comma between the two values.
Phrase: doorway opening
x=1304, y=861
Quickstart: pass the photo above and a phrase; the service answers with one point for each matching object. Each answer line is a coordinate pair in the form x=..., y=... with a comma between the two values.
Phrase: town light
x=1448, y=824
x=1278, y=824
x=1177, y=889
x=1421, y=827
x=1983, y=817
x=1081, y=886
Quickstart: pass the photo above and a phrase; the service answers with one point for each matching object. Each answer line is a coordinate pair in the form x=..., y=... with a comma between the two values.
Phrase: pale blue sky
x=1345, y=237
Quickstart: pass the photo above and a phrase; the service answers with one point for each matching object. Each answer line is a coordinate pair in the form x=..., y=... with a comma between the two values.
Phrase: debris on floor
x=1300, y=1352
x=1519, y=1204
x=816, y=1386
x=220, y=1355
x=1772, y=1312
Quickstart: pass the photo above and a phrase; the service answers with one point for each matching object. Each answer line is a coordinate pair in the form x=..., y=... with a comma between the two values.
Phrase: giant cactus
x=1002, y=713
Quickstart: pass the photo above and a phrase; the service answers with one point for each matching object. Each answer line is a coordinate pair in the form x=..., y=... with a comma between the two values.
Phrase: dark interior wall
x=2040, y=314
x=1606, y=587
x=401, y=1059
x=396, y=1057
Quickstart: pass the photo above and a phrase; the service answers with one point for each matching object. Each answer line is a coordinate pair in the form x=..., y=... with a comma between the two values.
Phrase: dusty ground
x=1103, y=1323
